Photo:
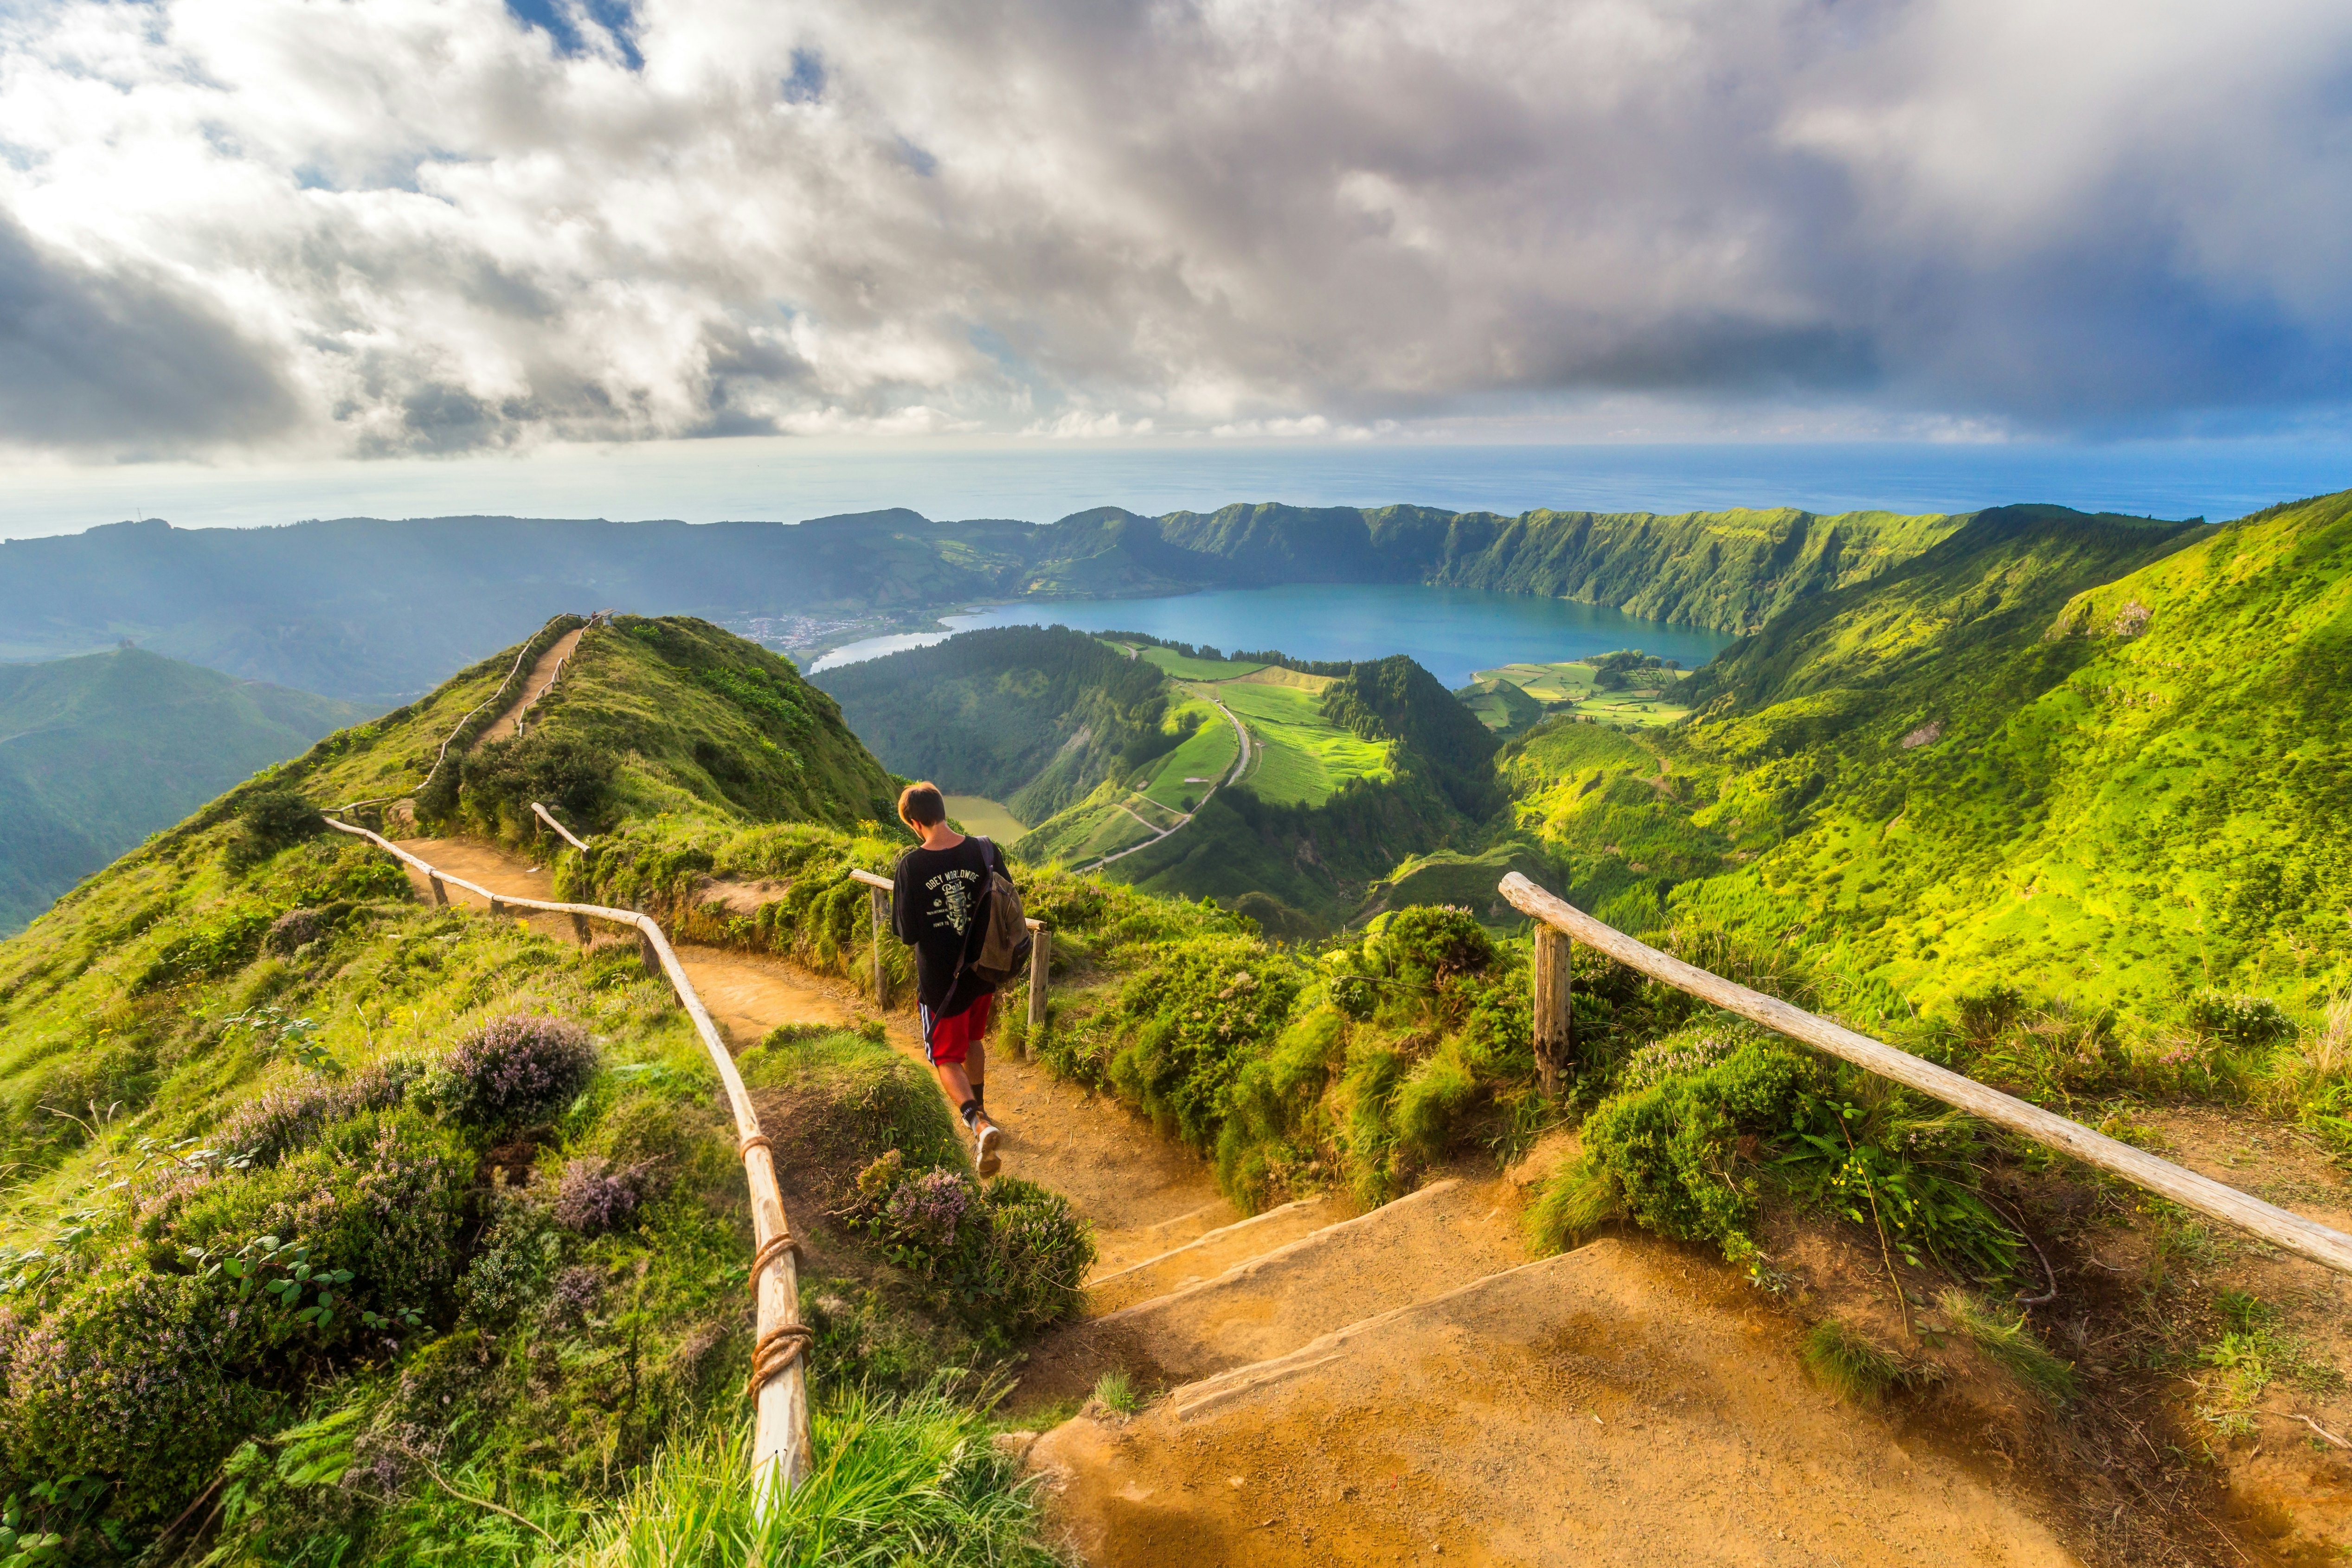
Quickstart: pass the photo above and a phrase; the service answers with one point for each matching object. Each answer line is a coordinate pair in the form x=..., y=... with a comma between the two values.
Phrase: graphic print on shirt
x=955, y=898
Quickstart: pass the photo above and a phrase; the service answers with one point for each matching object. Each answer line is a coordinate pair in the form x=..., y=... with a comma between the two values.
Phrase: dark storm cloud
x=86, y=353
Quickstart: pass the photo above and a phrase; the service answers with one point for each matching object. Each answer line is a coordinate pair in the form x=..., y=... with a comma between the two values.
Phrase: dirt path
x=1144, y=1195
x=1604, y=1407
x=1404, y=1386
x=542, y=676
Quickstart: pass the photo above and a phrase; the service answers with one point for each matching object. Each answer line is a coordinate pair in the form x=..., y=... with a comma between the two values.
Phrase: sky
x=310, y=235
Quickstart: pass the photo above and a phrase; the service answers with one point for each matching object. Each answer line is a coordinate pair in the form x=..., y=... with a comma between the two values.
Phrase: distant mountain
x=98, y=752
x=362, y=608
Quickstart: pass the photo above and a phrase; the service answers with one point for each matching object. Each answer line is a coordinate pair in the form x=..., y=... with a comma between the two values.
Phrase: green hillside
x=1034, y=717
x=482, y=1174
x=97, y=752
x=2089, y=756
x=1132, y=744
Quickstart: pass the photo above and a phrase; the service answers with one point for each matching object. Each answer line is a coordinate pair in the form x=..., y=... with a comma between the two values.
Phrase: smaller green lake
x=1450, y=632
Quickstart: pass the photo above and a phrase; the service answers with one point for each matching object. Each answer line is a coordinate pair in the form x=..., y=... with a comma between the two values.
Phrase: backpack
x=1005, y=945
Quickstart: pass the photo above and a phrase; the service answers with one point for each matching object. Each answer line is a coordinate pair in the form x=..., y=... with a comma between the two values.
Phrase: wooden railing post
x=440, y=893
x=878, y=901
x=1555, y=1024
x=1041, y=947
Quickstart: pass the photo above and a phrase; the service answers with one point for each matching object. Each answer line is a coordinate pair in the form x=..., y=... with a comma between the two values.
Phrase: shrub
x=152, y=1377
x=569, y=776
x=1008, y=1256
x=300, y=928
x=1429, y=945
x=1668, y=1150
x=517, y=1069
x=281, y=1120
x=2251, y=1022
x=513, y=1267
x=269, y=820
x=593, y=1197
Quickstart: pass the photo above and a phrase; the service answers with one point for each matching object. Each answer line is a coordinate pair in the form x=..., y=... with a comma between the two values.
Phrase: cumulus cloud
x=431, y=225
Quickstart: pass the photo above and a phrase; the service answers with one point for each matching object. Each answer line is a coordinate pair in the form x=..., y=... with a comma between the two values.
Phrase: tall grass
x=908, y=1481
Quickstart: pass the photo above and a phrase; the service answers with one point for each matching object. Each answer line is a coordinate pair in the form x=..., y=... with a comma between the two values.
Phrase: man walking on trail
x=938, y=907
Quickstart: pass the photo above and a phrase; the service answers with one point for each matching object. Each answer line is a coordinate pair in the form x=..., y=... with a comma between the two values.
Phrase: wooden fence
x=1041, y=941
x=780, y=1436
x=1560, y=922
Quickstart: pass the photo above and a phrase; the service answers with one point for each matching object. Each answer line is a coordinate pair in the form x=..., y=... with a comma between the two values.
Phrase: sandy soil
x=1601, y=1407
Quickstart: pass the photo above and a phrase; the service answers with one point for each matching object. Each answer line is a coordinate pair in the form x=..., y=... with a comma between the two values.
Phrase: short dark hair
x=922, y=804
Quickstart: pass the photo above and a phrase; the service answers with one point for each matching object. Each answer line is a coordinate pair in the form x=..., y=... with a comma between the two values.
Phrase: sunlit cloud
x=418, y=226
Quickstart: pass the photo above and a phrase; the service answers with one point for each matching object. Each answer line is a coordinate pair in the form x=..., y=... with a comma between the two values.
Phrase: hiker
x=938, y=907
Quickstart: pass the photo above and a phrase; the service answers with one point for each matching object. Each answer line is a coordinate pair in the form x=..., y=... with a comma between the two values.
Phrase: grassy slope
x=2117, y=809
x=1036, y=717
x=148, y=1016
x=1650, y=700
x=98, y=751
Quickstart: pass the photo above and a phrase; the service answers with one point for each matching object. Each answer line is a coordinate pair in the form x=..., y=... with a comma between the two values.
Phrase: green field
x=1207, y=753
x=1569, y=688
x=1299, y=756
x=1184, y=668
x=980, y=815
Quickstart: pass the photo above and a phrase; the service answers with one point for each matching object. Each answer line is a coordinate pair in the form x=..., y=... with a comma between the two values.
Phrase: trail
x=542, y=676
x=1143, y=1193
x=1405, y=1386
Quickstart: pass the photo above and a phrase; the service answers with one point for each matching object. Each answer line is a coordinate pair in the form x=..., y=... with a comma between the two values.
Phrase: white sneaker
x=984, y=1148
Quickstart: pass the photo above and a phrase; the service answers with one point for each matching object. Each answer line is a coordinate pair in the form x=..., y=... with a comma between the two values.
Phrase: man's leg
x=959, y=1060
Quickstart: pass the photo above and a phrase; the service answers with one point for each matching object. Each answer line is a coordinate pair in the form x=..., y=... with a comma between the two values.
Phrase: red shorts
x=950, y=1040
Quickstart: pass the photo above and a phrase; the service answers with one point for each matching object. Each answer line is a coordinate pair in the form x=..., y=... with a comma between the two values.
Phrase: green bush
x=1007, y=1257
x=270, y=819
x=1667, y=1153
x=563, y=772
x=151, y=1365
x=2251, y=1022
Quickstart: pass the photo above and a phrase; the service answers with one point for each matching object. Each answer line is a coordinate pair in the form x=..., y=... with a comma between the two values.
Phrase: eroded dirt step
x=1447, y=1234
x=1208, y=1255
x=1615, y=1405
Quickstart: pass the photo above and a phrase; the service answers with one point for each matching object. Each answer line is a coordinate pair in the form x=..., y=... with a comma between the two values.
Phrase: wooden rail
x=2297, y=1234
x=1041, y=944
x=780, y=1434
x=548, y=817
x=442, y=754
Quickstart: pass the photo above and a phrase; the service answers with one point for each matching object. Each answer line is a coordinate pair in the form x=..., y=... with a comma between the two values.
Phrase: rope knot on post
x=778, y=1349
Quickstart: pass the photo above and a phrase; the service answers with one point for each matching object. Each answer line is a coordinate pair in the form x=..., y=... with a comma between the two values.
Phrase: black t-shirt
x=937, y=908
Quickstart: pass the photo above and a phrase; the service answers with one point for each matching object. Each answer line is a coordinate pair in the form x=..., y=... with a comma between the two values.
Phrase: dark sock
x=980, y=1097
x=969, y=1111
